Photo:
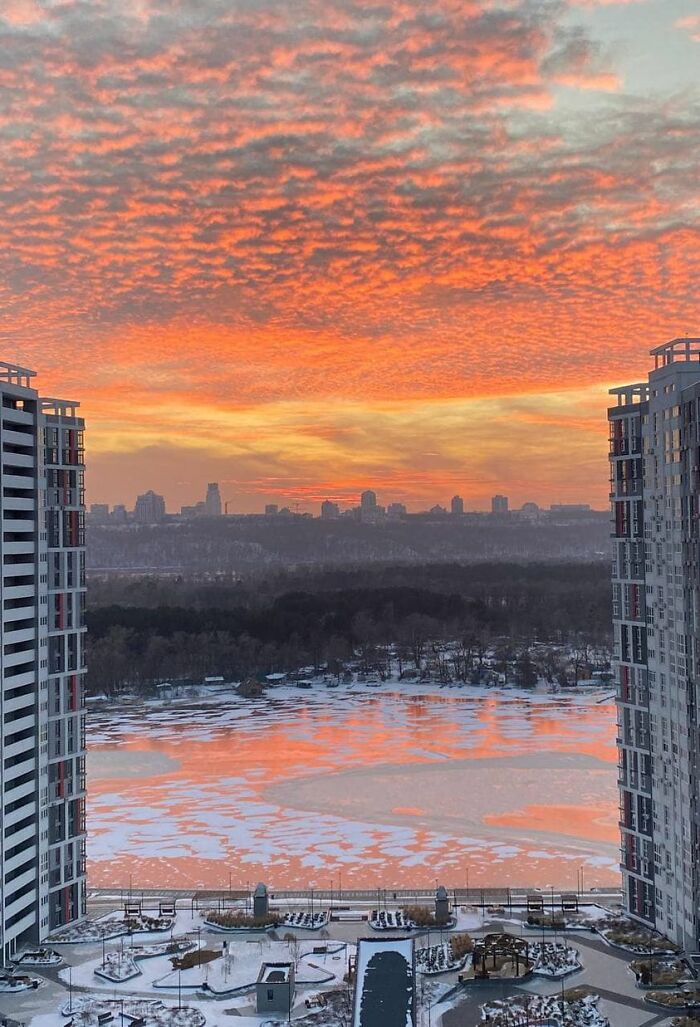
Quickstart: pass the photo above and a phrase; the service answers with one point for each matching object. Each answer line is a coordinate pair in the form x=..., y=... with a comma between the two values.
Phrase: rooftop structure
x=385, y=992
x=13, y=374
x=682, y=349
x=275, y=973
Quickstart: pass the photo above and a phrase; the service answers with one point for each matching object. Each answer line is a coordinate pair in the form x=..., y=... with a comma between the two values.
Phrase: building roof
x=260, y=890
x=275, y=973
x=384, y=984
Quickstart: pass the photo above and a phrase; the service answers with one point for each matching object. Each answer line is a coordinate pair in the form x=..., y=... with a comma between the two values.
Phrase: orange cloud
x=244, y=210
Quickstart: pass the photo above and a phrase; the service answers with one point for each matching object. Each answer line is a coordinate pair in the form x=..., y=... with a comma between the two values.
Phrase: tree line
x=147, y=630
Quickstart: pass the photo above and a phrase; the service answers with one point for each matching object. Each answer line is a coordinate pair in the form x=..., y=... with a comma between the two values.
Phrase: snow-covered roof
x=275, y=973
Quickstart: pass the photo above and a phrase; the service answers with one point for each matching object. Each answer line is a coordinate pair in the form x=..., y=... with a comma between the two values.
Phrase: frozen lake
x=374, y=786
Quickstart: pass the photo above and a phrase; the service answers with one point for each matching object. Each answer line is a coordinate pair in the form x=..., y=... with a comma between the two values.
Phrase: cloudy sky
x=310, y=246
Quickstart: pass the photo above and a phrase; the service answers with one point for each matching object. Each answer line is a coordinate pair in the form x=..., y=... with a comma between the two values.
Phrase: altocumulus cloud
x=355, y=200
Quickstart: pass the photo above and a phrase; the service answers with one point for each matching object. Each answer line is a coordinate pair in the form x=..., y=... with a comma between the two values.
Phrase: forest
x=145, y=630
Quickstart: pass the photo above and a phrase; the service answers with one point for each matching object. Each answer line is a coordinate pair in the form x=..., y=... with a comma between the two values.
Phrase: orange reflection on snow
x=597, y=822
x=219, y=773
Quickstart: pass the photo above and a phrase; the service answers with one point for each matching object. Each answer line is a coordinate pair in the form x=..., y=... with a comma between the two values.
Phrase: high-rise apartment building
x=655, y=494
x=457, y=506
x=42, y=725
x=499, y=505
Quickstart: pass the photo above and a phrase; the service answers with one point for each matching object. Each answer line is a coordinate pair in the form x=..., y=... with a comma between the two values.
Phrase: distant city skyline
x=296, y=248
x=370, y=504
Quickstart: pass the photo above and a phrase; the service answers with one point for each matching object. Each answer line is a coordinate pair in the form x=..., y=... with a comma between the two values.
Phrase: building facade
x=655, y=491
x=212, y=501
x=149, y=508
x=42, y=664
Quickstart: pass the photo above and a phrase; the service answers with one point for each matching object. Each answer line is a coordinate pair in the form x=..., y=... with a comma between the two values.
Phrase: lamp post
x=179, y=990
x=70, y=990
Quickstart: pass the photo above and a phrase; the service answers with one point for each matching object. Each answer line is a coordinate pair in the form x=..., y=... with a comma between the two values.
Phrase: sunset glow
x=304, y=249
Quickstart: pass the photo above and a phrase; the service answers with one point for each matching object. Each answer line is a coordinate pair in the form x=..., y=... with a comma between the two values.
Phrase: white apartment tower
x=42, y=737
x=655, y=494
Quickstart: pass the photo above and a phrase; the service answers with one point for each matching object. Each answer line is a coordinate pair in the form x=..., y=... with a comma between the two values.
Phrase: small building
x=275, y=988
x=535, y=902
x=261, y=901
x=442, y=905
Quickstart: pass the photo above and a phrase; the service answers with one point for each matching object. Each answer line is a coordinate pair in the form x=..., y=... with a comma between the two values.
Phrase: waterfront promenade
x=442, y=1002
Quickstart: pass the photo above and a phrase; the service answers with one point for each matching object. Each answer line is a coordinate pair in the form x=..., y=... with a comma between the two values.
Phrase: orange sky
x=307, y=248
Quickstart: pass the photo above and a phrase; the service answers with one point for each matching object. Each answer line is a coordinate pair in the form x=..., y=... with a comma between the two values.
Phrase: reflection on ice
x=382, y=789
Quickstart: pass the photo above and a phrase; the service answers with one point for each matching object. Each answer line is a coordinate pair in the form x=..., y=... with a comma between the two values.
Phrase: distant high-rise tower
x=213, y=500
x=330, y=511
x=457, y=505
x=655, y=490
x=42, y=664
x=499, y=505
x=368, y=500
x=149, y=508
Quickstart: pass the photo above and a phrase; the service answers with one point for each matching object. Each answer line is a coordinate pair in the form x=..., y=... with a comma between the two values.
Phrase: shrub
x=422, y=916
x=673, y=999
x=190, y=959
x=461, y=945
x=237, y=918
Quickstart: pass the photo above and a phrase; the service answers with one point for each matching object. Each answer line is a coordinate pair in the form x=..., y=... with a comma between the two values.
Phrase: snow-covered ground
x=38, y=957
x=235, y=968
x=390, y=920
x=117, y=967
x=438, y=959
x=12, y=983
x=554, y=960
x=543, y=1009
